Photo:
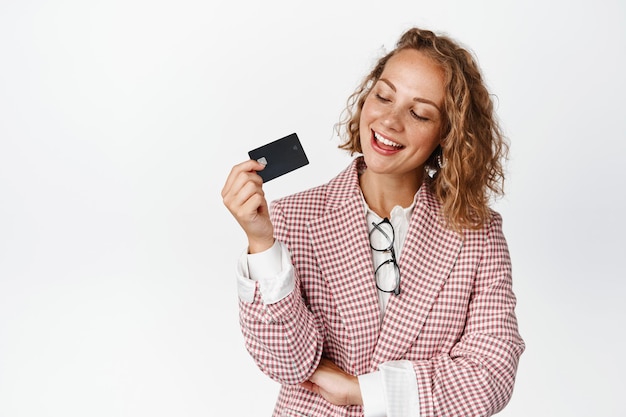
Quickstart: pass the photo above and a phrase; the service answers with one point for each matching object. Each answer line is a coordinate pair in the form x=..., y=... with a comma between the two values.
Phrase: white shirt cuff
x=373, y=394
x=272, y=269
x=391, y=391
x=265, y=264
x=401, y=390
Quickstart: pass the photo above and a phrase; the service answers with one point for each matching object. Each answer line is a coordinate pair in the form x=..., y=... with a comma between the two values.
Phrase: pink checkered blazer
x=454, y=318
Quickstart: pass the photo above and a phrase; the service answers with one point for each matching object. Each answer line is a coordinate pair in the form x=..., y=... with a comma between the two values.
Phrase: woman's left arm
x=477, y=376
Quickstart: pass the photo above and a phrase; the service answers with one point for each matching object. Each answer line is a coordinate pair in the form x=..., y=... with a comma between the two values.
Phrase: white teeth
x=386, y=141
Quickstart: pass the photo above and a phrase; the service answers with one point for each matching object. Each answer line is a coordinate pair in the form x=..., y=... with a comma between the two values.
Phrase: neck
x=382, y=193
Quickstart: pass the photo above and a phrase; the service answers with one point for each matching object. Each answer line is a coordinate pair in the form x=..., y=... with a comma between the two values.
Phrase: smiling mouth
x=386, y=142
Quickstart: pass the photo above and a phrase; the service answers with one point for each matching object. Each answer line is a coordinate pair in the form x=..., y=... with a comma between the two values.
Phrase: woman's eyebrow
x=417, y=99
x=389, y=83
x=426, y=101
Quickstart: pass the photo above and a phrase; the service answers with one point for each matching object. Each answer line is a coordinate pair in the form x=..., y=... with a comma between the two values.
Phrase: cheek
x=364, y=133
x=365, y=117
x=369, y=110
x=427, y=138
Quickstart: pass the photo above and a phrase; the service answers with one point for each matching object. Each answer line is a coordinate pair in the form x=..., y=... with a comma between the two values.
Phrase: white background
x=119, y=122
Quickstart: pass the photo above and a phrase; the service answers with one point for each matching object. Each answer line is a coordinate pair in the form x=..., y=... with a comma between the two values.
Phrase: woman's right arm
x=282, y=336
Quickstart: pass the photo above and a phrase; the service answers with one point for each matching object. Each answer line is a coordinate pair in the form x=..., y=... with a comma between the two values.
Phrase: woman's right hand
x=244, y=197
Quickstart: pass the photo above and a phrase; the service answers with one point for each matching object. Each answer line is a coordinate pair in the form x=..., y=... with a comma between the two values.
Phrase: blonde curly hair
x=473, y=146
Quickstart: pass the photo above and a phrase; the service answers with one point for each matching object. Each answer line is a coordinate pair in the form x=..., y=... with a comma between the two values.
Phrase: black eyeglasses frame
x=389, y=249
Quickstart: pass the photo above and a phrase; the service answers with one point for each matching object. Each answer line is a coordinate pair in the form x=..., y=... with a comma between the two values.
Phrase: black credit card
x=280, y=157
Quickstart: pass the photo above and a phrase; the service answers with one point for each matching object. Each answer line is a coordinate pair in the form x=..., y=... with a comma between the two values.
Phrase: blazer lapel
x=428, y=255
x=340, y=241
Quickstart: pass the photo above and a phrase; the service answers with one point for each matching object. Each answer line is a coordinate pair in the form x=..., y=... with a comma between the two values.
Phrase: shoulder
x=433, y=205
x=489, y=236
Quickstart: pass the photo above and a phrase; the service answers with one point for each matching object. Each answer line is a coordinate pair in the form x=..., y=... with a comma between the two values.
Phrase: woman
x=387, y=291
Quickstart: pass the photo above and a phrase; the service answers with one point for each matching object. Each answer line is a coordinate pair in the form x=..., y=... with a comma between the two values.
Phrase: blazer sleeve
x=476, y=378
x=283, y=338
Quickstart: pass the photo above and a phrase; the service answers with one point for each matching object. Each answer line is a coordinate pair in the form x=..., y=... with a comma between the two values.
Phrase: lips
x=385, y=143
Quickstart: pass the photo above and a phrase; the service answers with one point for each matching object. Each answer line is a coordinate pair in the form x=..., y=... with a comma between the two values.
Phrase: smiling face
x=401, y=118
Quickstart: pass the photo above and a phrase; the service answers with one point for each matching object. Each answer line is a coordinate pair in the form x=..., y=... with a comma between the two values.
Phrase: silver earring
x=441, y=161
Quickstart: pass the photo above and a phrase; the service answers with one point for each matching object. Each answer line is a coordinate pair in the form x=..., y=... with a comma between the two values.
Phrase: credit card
x=280, y=157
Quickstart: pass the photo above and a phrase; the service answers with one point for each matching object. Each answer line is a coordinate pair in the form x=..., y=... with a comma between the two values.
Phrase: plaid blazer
x=454, y=318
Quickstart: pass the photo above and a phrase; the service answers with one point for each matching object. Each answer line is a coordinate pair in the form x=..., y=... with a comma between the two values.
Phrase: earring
x=441, y=161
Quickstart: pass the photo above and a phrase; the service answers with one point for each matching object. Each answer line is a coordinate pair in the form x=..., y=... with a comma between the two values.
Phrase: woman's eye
x=418, y=117
x=381, y=98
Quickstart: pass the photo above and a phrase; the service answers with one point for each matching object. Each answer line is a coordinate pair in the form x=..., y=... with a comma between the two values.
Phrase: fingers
x=247, y=167
x=334, y=384
x=309, y=386
x=242, y=184
x=244, y=197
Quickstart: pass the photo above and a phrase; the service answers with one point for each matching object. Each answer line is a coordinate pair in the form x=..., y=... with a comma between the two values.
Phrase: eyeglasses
x=387, y=274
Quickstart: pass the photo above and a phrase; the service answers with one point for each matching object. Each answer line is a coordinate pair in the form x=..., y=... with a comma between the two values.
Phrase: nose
x=392, y=119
